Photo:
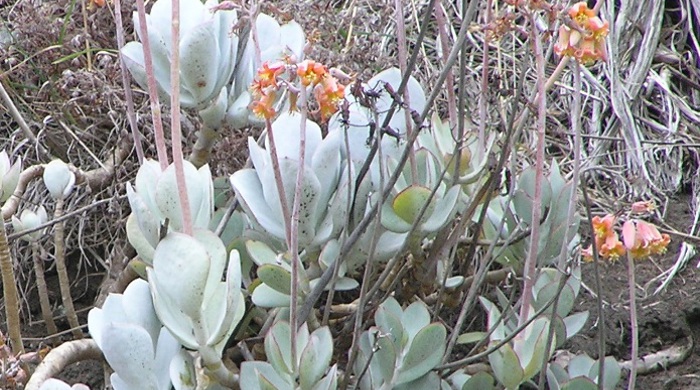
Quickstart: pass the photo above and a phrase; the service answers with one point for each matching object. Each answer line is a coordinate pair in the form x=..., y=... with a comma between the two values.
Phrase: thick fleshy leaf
x=199, y=61
x=181, y=270
x=444, y=211
x=409, y=202
x=612, y=373
x=276, y=277
x=129, y=351
x=278, y=347
x=424, y=354
x=415, y=318
x=249, y=192
x=262, y=376
x=293, y=38
x=506, y=367
x=390, y=324
x=575, y=322
x=58, y=178
x=182, y=371
x=315, y=357
x=265, y=296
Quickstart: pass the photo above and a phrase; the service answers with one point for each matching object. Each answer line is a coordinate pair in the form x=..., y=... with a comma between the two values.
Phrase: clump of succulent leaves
x=581, y=372
x=516, y=214
x=518, y=360
x=313, y=358
x=329, y=200
x=401, y=350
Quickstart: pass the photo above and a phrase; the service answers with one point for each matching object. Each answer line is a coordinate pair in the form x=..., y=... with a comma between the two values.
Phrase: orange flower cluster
x=643, y=239
x=640, y=238
x=328, y=92
x=585, y=38
x=265, y=88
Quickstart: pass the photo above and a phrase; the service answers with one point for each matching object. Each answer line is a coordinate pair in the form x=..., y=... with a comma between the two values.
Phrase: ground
x=57, y=87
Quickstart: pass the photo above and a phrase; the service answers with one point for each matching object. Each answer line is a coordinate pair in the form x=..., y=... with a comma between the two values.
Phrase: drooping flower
x=585, y=38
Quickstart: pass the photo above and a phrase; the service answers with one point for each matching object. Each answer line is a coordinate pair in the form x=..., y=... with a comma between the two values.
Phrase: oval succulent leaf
x=276, y=277
x=424, y=354
x=409, y=202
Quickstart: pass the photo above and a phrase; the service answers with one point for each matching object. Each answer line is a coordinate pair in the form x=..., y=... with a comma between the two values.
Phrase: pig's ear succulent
x=257, y=191
x=155, y=199
x=196, y=288
x=314, y=353
x=555, y=197
x=581, y=372
x=207, y=50
x=135, y=343
x=401, y=350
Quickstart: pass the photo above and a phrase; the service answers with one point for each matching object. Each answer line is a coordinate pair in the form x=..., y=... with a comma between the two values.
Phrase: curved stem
x=63, y=280
x=9, y=292
x=61, y=357
x=46, y=311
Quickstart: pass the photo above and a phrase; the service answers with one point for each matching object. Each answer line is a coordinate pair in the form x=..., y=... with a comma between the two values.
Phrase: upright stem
x=633, y=321
x=46, y=311
x=541, y=102
x=63, y=280
x=130, y=112
x=9, y=292
x=175, y=133
x=152, y=87
x=294, y=230
x=280, y=184
x=403, y=56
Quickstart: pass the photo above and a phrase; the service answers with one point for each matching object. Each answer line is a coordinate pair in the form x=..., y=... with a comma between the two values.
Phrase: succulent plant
x=441, y=142
x=314, y=353
x=9, y=176
x=155, y=198
x=361, y=116
x=413, y=193
x=556, y=194
x=133, y=340
x=29, y=220
x=520, y=359
x=208, y=50
x=323, y=204
x=196, y=288
x=581, y=373
x=400, y=351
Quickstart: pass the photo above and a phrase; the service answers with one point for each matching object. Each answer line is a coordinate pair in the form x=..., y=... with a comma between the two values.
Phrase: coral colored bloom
x=643, y=239
x=643, y=207
x=263, y=107
x=580, y=12
x=311, y=72
x=585, y=41
x=267, y=75
x=603, y=226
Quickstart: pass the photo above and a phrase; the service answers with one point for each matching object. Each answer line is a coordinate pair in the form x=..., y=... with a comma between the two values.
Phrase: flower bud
x=59, y=179
x=30, y=220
